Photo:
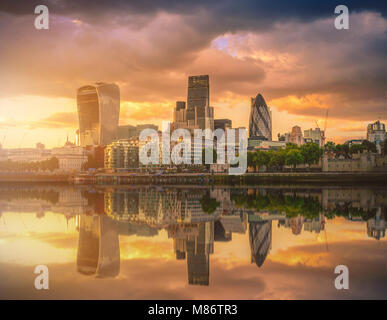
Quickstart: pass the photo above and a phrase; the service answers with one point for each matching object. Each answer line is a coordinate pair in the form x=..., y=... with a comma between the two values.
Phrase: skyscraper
x=199, y=111
x=260, y=241
x=260, y=118
x=98, y=112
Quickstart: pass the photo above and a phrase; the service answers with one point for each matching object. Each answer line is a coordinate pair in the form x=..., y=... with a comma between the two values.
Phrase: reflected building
x=98, y=246
x=296, y=224
x=315, y=224
x=260, y=118
x=260, y=236
x=376, y=226
x=98, y=112
x=194, y=242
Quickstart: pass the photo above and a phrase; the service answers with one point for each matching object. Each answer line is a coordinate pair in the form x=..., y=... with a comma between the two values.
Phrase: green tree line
x=50, y=164
x=292, y=155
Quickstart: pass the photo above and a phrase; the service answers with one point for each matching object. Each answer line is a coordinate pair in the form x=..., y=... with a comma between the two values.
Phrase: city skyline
x=254, y=49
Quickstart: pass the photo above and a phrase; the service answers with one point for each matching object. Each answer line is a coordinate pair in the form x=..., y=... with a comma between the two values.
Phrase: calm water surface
x=131, y=242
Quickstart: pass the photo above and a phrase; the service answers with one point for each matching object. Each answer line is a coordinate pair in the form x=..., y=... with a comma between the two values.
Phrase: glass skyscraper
x=199, y=111
x=98, y=112
x=260, y=119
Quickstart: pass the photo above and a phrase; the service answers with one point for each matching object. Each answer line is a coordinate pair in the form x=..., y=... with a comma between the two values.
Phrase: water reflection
x=194, y=218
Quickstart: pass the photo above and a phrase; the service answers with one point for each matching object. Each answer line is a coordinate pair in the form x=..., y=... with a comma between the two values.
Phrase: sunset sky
x=289, y=51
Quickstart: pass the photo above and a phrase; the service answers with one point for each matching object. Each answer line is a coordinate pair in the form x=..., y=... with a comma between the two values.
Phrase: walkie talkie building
x=98, y=112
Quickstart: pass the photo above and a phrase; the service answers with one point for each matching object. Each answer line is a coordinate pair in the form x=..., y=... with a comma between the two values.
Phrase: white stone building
x=70, y=157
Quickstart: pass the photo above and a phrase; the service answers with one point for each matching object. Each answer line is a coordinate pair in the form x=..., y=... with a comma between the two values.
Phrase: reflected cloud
x=219, y=243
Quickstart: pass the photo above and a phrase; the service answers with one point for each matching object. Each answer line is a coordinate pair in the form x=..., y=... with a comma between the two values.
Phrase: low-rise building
x=40, y=153
x=360, y=162
x=296, y=136
x=257, y=144
x=122, y=154
x=314, y=135
x=70, y=157
x=376, y=133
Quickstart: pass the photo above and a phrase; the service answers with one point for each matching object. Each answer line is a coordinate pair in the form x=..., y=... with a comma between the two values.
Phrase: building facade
x=70, y=157
x=128, y=131
x=122, y=154
x=223, y=124
x=296, y=136
x=40, y=153
x=98, y=112
x=376, y=133
x=198, y=110
x=260, y=123
x=314, y=135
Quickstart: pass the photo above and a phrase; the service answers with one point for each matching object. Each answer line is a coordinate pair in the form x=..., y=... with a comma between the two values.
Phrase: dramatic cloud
x=57, y=120
x=302, y=272
x=288, y=51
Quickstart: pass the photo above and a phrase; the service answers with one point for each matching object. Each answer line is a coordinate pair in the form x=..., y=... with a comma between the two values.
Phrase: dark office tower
x=199, y=111
x=180, y=105
x=260, y=241
x=198, y=255
x=223, y=124
x=179, y=113
x=98, y=112
x=260, y=118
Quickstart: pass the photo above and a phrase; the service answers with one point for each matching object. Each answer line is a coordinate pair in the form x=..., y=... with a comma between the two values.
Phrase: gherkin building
x=260, y=119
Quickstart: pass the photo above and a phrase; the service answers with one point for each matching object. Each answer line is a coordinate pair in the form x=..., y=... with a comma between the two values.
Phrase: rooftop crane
x=5, y=136
x=325, y=123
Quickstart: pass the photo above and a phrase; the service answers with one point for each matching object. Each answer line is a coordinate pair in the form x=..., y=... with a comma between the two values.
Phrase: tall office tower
x=179, y=114
x=199, y=111
x=260, y=118
x=98, y=112
x=260, y=241
x=223, y=124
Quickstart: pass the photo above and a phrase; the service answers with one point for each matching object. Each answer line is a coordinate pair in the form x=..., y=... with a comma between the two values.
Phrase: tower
x=98, y=112
x=260, y=118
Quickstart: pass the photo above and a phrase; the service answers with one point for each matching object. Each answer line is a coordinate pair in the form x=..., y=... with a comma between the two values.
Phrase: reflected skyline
x=191, y=225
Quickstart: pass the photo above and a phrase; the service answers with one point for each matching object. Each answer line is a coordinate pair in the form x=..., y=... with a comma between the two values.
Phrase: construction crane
x=323, y=136
x=325, y=125
x=22, y=139
x=5, y=136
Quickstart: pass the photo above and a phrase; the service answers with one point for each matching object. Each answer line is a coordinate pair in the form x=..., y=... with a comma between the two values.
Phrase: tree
x=342, y=149
x=311, y=152
x=209, y=204
x=294, y=157
x=356, y=148
x=250, y=159
x=277, y=159
x=369, y=146
x=290, y=146
x=261, y=158
x=330, y=146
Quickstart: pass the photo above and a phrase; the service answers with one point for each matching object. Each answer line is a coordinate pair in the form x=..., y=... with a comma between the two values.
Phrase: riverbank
x=201, y=178
x=45, y=178
x=224, y=179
